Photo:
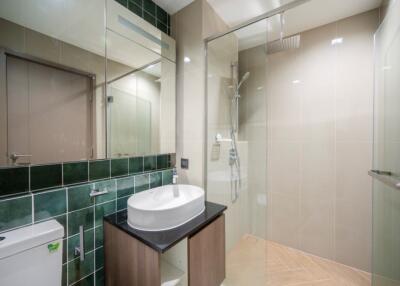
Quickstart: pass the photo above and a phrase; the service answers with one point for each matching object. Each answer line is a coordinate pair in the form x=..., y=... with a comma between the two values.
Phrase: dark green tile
x=76, y=172
x=79, y=197
x=49, y=204
x=103, y=210
x=162, y=27
x=122, y=203
x=64, y=281
x=149, y=18
x=135, y=165
x=137, y=2
x=119, y=167
x=99, y=236
x=65, y=249
x=99, y=169
x=155, y=179
x=150, y=163
x=100, y=277
x=123, y=2
x=14, y=180
x=125, y=187
x=171, y=160
x=87, y=281
x=149, y=7
x=135, y=9
x=78, y=269
x=167, y=177
x=15, y=212
x=99, y=258
x=73, y=241
x=141, y=183
x=82, y=217
x=169, y=21
x=46, y=176
x=110, y=186
x=162, y=161
x=162, y=16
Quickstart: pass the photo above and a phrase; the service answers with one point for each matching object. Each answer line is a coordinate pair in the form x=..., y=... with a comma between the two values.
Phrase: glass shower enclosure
x=275, y=97
x=386, y=161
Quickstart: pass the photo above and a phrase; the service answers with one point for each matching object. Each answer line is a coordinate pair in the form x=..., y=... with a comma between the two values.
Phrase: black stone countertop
x=163, y=240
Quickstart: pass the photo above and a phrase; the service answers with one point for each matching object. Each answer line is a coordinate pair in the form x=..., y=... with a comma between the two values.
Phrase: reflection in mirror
x=53, y=67
x=140, y=100
x=52, y=75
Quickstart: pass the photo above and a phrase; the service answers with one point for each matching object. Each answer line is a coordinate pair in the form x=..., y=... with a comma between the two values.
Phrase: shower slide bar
x=388, y=178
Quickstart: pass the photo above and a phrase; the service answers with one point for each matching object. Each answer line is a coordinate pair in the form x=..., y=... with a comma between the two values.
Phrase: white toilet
x=32, y=255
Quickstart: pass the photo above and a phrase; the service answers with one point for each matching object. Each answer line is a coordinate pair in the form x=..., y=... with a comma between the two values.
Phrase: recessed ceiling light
x=187, y=60
x=296, y=81
x=336, y=41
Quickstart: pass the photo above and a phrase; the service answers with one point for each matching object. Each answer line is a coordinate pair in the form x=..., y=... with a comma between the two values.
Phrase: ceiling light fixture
x=187, y=60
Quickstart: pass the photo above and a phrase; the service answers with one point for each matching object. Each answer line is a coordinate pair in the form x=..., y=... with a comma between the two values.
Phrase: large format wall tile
x=319, y=102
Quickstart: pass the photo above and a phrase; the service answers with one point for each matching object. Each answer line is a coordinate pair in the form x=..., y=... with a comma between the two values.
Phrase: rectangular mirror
x=140, y=100
x=73, y=89
x=52, y=81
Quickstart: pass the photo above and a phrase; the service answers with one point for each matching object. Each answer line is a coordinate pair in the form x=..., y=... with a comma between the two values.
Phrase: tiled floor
x=255, y=261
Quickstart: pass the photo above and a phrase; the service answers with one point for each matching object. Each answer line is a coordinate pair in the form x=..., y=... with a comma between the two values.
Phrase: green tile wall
x=14, y=180
x=68, y=202
x=149, y=11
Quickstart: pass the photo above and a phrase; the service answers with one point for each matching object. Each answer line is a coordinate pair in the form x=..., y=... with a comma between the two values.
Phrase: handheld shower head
x=244, y=78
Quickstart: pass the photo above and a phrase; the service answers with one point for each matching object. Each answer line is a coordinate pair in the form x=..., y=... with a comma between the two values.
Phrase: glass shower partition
x=236, y=147
x=386, y=165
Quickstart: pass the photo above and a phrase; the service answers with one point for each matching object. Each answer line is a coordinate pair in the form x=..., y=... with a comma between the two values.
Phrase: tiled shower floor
x=255, y=261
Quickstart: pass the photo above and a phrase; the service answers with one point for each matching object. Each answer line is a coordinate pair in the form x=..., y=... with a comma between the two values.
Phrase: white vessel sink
x=165, y=207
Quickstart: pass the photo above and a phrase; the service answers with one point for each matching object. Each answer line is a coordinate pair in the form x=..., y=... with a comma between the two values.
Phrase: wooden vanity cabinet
x=130, y=262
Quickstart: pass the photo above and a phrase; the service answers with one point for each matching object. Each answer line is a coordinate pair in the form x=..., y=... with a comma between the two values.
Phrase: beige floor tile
x=254, y=261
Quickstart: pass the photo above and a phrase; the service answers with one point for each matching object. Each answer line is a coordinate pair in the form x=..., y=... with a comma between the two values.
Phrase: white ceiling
x=172, y=6
x=304, y=17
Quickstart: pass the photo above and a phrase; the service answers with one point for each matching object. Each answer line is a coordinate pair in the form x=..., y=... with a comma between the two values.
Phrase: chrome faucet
x=174, y=176
x=175, y=188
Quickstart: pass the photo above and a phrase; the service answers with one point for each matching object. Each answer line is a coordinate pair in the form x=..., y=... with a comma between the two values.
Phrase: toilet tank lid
x=24, y=238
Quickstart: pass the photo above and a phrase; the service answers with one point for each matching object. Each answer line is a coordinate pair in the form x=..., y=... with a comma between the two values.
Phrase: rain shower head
x=288, y=43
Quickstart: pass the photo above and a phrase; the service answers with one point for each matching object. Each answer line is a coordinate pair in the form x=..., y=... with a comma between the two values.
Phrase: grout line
x=33, y=208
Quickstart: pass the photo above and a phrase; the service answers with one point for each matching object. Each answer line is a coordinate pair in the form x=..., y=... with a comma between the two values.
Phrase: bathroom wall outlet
x=184, y=163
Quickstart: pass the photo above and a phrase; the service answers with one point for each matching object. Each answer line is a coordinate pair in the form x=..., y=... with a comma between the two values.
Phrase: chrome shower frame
x=269, y=14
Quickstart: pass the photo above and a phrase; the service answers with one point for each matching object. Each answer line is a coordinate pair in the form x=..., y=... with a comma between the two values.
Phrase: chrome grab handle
x=80, y=249
x=386, y=177
x=97, y=192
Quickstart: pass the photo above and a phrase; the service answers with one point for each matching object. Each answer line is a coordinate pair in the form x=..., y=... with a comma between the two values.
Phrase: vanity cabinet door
x=129, y=262
x=206, y=251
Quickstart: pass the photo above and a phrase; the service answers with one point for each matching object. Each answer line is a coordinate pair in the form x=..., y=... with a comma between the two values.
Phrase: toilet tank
x=32, y=255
